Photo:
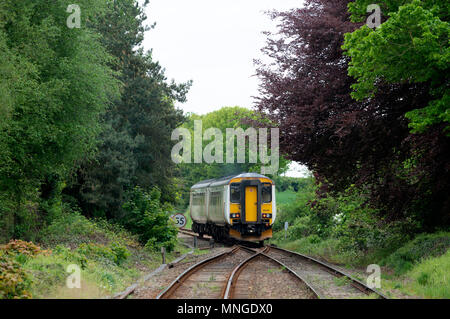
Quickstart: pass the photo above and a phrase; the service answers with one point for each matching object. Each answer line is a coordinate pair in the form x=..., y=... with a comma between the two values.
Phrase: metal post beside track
x=163, y=253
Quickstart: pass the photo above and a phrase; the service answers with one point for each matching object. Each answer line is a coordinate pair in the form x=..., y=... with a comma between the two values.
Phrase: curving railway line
x=242, y=279
x=268, y=272
x=231, y=275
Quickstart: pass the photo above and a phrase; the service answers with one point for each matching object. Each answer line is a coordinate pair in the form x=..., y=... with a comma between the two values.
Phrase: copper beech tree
x=306, y=90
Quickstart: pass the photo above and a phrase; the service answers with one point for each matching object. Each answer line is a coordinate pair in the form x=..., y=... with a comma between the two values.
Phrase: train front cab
x=252, y=209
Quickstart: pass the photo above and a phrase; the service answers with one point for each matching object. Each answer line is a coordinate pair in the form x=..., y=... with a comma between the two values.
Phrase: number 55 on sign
x=179, y=219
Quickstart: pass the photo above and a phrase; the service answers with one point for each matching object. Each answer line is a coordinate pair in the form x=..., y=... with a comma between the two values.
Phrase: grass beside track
x=419, y=269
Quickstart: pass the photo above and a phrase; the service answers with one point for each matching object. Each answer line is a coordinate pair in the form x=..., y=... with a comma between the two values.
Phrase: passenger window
x=235, y=196
x=266, y=193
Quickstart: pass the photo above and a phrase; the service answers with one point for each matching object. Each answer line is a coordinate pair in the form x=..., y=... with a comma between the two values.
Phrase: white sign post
x=179, y=219
x=286, y=225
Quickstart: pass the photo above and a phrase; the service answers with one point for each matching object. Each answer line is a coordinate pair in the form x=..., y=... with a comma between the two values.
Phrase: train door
x=251, y=204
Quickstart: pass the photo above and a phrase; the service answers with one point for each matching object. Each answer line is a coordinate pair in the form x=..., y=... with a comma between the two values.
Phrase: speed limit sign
x=179, y=219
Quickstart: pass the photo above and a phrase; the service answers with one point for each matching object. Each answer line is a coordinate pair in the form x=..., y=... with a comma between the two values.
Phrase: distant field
x=188, y=218
x=285, y=197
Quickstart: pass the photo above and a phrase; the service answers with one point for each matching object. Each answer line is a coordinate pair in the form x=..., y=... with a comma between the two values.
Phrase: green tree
x=134, y=147
x=149, y=219
x=55, y=82
x=411, y=46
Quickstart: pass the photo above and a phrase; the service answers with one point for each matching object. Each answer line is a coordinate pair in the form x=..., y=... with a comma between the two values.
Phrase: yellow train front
x=241, y=207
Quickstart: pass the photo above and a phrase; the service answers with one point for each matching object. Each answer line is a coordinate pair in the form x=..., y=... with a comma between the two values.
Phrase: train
x=239, y=207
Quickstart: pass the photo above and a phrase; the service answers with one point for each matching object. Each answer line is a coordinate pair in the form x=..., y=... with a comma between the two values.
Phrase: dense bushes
x=149, y=219
x=357, y=232
x=114, y=252
x=72, y=229
x=298, y=208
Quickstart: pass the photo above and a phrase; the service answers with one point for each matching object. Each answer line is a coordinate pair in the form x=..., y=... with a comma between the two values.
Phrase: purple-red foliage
x=306, y=91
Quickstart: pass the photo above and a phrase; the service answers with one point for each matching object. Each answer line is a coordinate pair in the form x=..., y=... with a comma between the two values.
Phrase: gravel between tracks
x=209, y=281
x=265, y=279
x=326, y=284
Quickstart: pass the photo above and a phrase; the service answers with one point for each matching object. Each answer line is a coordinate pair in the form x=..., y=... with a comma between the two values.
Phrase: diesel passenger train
x=241, y=207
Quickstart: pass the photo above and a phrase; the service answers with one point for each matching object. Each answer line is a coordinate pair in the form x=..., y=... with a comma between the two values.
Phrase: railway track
x=268, y=272
x=248, y=275
x=232, y=275
x=208, y=278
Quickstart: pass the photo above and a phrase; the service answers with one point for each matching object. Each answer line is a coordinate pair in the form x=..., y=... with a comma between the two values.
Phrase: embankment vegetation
x=344, y=231
x=85, y=127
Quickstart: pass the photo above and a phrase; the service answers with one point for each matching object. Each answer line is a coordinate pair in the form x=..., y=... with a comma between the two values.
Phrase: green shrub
x=71, y=256
x=71, y=229
x=149, y=219
x=300, y=207
x=115, y=252
x=153, y=245
x=97, y=252
x=121, y=253
x=300, y=228
x=314, y=239
x=423, y=278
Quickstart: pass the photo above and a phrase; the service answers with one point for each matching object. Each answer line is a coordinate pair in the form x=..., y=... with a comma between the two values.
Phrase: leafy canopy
x=412, y=46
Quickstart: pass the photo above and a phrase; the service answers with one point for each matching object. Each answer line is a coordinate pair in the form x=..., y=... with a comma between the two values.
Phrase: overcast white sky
x=213, y=43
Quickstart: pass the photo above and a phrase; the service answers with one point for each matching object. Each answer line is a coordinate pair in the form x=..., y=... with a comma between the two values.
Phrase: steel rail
x=252, y=250
x=235, y=274
x=239, y=268
x=188, y=272
x=334, y=271
x=311, y=288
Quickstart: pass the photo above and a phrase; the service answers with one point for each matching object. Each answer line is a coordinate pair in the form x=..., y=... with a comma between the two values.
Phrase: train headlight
x=267, y=216
x=235, y=215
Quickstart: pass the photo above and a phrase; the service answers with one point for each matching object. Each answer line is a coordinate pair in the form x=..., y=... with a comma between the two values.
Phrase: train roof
x=225, y=180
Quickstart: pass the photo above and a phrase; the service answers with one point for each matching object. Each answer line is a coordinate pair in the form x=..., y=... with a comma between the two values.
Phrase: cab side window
x=266, y=193
x=235, y=193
